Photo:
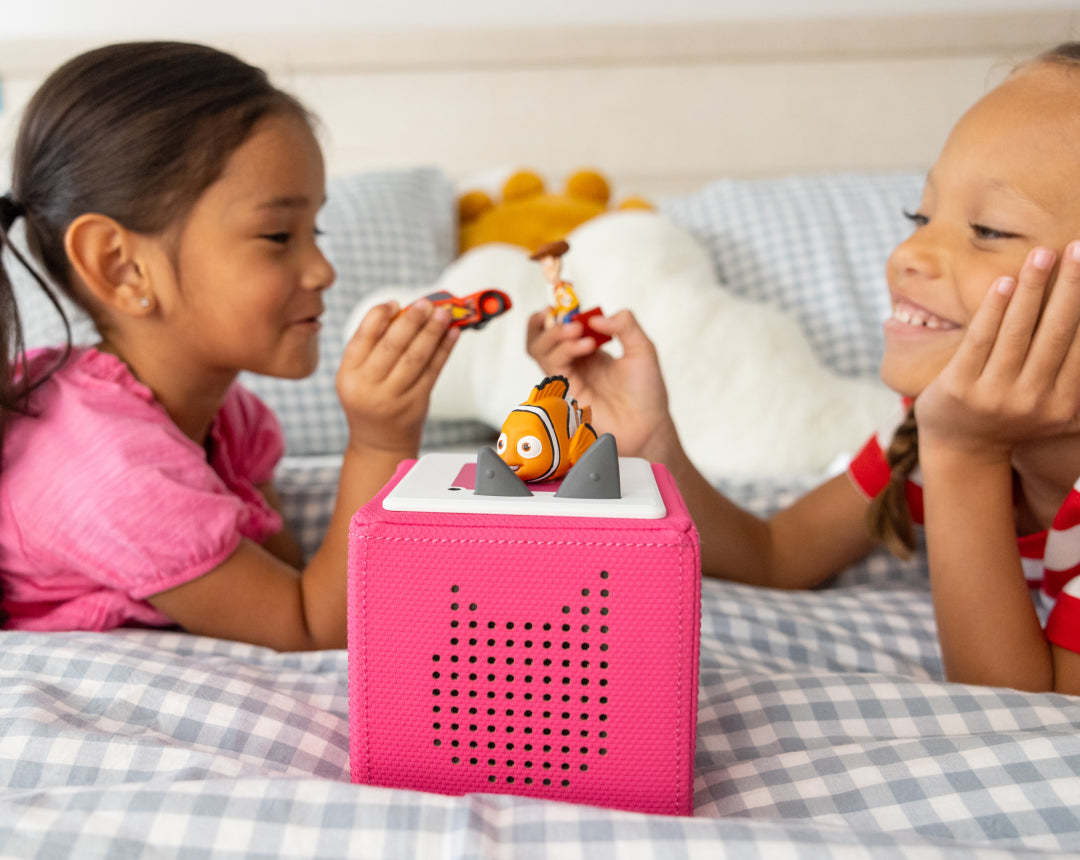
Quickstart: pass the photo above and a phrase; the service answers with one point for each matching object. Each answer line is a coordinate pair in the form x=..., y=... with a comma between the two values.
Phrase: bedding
x=825, y=728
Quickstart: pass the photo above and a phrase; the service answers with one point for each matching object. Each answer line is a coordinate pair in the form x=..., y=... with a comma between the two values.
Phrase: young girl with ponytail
x=172, y=192
x=983, y=345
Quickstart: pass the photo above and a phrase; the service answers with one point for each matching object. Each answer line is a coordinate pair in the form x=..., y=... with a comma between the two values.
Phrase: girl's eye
x=983, y=232
x=916, y=219
x=283, y=238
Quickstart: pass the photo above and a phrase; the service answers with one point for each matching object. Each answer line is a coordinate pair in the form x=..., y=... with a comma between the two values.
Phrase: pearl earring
x=144, y=302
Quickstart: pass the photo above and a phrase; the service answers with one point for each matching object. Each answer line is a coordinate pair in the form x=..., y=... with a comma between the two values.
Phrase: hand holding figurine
x=627, y=394
x=388, y=370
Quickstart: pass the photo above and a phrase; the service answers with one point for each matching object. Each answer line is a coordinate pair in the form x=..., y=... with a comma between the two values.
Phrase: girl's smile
x=906, y=314
x=983, y=211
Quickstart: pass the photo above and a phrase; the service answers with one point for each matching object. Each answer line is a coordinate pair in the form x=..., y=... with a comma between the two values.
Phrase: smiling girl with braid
x=984, y=346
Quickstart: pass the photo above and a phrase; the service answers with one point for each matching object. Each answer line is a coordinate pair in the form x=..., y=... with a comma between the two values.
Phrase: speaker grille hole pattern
x=525, y=699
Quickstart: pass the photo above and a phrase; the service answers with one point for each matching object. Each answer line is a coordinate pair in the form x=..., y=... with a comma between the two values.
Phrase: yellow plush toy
x=529, y=215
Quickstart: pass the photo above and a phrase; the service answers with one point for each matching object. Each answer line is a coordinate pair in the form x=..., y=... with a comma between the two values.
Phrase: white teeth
x=916, y=317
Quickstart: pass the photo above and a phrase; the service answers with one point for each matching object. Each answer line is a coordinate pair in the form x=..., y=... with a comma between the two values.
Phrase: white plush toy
x=748, y=394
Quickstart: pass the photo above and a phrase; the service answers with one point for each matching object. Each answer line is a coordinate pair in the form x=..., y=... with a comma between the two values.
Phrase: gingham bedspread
x=824, y=730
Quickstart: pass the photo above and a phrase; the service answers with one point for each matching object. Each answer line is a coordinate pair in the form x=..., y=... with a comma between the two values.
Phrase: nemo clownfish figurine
x=544, y=436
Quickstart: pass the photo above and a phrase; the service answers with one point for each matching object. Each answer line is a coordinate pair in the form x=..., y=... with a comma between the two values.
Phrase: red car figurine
x=472, y=311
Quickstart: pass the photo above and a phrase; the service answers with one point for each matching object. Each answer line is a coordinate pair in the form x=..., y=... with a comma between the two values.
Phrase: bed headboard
x=658, y=108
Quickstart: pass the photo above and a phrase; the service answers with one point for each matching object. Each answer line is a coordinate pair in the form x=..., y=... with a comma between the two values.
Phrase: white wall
x=142, y=18
x=660, y=94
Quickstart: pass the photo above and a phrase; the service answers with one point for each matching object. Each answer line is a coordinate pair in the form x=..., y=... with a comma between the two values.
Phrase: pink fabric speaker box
x=527, y=652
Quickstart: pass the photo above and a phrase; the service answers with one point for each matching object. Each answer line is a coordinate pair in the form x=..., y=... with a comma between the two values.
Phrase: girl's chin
x=297, y=369
x=902, y=383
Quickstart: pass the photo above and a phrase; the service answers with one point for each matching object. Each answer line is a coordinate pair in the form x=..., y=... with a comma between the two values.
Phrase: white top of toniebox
x=444, y=483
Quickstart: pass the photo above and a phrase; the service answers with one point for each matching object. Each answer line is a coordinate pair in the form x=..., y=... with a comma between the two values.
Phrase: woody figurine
x=549, y=256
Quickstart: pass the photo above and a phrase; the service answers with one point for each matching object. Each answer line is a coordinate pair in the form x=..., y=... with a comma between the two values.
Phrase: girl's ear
x=105, y=257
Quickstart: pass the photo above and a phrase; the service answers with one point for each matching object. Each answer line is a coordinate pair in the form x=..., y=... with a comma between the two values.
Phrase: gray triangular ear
x=596, y=474
x=495, y=478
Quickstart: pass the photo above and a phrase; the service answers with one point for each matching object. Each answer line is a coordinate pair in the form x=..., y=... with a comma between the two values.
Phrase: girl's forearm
x=799, y=547
x=363, y=473
x=284, y=544
x=254, y=596
x=987, y=626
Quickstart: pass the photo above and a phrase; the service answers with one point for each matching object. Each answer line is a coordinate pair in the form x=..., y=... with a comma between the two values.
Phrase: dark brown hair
x=136, y=131
x=889, y=517
x=1066, y=54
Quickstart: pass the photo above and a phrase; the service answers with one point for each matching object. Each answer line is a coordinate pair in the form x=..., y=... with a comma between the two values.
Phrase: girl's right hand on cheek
x=388, y=370
x=1016, y=374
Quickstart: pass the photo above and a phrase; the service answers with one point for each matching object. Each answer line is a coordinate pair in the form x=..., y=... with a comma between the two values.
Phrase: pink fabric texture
x=553, y=657
x=104, y=501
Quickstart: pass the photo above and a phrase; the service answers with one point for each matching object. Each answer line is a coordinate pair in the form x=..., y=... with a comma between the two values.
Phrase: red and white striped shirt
x=1050, y=559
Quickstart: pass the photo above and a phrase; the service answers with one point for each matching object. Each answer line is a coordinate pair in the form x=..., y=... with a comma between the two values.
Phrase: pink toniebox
x=541, y=646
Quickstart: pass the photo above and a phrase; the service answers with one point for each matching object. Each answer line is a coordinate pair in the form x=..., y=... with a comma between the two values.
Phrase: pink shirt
x=104, y=501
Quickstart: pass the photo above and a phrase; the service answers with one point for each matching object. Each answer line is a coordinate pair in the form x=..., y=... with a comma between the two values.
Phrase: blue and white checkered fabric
x=824, y=730
x=813, y=245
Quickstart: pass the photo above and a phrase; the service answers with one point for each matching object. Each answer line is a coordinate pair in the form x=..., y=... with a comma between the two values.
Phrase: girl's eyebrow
x=297, y=202
x=1000, y=186
x=1008, y=190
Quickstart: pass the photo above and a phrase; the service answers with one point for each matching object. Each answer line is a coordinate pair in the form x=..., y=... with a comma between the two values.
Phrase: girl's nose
x=319, y=273
x=918, y=255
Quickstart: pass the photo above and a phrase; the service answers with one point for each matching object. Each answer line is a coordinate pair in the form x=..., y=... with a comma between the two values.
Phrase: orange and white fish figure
x=544, y=436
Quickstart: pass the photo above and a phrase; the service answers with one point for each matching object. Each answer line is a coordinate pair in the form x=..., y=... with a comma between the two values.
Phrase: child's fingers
x=556, y=347
x=412, y=356
x=624, y=326
x=541, y=338
x=1062, y=319
x=974, y=351
x=1055, y=339
x=1013, y=342
x=430, y=374
x=371, y=329
x=397, y=338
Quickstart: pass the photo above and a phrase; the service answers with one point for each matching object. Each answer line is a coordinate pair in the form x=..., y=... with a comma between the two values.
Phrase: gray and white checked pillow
x=380, y=227
x=815, y=245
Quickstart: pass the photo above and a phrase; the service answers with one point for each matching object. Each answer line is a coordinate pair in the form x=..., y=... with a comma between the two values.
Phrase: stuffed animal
x=529, y=215
x=748, y=394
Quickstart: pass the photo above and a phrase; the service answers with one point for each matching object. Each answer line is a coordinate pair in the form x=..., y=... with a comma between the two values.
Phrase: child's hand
x=627, y=395
x=1016, y=374
x=388, y=370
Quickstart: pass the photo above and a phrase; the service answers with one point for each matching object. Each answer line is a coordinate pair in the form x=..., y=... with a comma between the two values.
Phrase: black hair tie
x=10, y=209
